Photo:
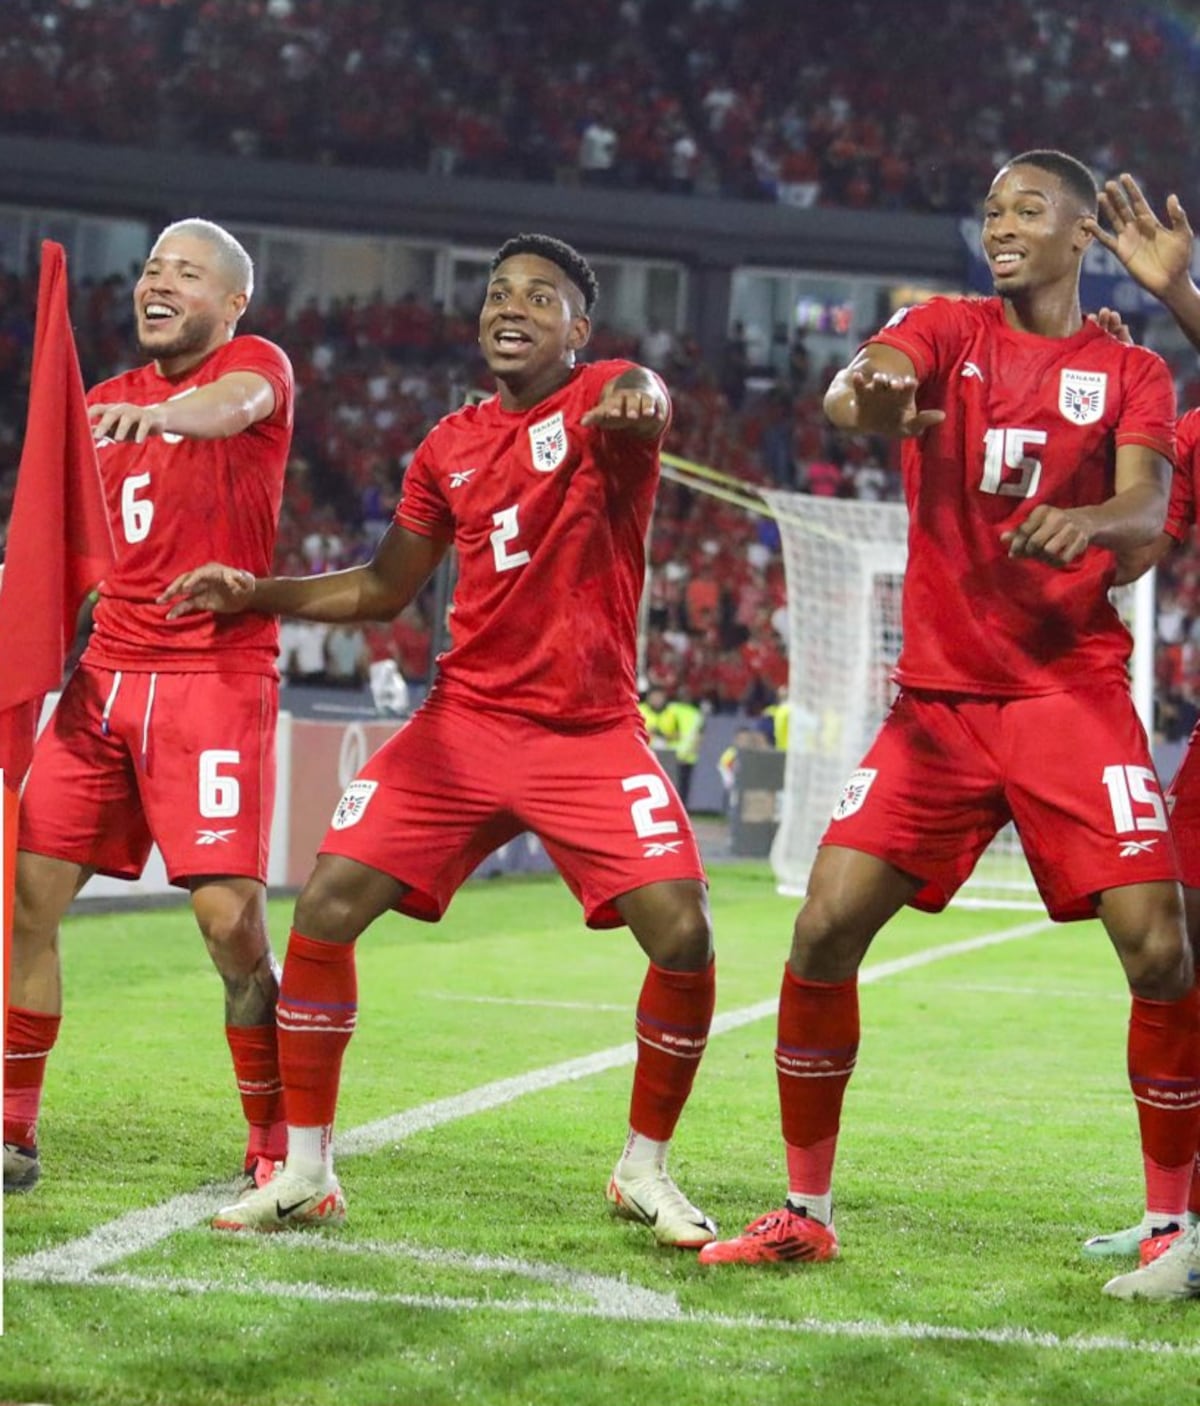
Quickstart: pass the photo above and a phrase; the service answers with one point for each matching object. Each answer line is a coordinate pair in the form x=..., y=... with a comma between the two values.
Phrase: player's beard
x=193, y=335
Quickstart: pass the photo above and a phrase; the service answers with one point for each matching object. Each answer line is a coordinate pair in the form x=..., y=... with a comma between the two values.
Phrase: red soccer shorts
x=1072, y=770
x=454, y=784
x=184, y=761
x=1183, y=799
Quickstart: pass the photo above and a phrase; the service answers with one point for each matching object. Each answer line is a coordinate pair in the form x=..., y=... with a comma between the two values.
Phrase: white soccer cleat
x=652, y=1199
x=1175, y=1274
x=286, y=1202
x=22, y=1167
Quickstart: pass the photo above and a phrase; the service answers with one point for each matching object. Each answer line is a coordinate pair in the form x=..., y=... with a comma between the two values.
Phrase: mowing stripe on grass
x=462, y=1000
x=80, y=1259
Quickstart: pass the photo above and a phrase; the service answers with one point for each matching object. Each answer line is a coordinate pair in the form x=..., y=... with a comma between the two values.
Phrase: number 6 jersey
x=176, y=503
x=1029, y=420
x=549, y=520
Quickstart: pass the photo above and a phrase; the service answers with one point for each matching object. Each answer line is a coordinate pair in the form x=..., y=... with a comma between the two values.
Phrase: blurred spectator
x=346, y=657
x=302, y=651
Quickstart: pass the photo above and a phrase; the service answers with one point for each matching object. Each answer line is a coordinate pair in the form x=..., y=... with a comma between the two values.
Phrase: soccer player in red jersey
x=165, y=732
x=545, y=490
x=1036, y=446
x=1159, y=256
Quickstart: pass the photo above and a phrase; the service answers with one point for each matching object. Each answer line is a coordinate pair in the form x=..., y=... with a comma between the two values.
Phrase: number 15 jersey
x=549, y=519
x=1029, y=420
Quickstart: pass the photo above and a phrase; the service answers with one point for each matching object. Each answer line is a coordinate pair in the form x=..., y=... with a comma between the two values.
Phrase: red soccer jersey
x=549, y=520
x=1029, y=420
x=176, y=503
x=1181, y=515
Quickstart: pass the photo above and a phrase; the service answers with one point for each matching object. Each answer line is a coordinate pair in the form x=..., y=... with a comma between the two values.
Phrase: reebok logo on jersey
x=351, y=808
x=461, y=477
x=213, y=837
x=655, y=849
x=970, y=369
x=854, y=793
x=1130, y=849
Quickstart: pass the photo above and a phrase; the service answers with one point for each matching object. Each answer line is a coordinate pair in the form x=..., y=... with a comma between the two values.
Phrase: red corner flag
x=59, y=541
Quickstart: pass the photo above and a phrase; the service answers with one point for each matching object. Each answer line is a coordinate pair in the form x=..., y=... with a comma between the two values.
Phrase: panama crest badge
x=854, y=793
x=1081, y=396
x=355, y=799
x=548, y=443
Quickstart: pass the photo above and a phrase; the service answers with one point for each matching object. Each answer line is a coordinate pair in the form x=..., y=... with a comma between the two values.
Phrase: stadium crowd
x=845, y=105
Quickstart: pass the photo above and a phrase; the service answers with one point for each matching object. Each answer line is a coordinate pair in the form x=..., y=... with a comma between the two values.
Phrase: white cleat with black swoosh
x=652, y=1199
x=287, y=1202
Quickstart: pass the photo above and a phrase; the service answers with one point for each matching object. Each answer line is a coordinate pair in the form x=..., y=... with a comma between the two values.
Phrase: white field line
x=79, y=1260
x=602, y=1297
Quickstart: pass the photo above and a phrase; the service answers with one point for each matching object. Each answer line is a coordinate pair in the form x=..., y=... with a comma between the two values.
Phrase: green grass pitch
x=988, y=1130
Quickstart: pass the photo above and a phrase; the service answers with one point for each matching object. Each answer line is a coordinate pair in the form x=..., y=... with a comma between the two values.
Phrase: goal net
x=845, y=567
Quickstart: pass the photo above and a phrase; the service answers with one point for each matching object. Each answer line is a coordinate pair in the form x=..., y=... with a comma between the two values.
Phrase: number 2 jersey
x=549, y=519
x=176, y=503
x=1029, y=420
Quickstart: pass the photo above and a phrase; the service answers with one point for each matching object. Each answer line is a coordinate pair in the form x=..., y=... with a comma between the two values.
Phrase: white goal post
x=845, y=561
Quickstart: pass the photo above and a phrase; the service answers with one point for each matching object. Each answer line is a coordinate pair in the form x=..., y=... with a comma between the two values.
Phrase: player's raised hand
x=1111, y=321
x=629, y=411
x=1056, y=536
x=1157, y=255
x=121, y=422
x=886, y=404
x=224, y=590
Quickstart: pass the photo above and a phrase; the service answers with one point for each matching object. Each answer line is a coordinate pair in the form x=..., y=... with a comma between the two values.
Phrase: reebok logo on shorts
x=1130, y=849
x=854, y=793
x=214, y=837
x=352, y=807
x=656, y=849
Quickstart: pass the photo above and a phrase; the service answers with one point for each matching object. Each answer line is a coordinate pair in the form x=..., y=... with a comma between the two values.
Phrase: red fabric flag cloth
x=59, y=539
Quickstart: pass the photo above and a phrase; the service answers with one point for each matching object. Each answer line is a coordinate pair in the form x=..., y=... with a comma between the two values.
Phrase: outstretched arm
x=635, y=402
x=1157, y=255
x=379, y=590
x=877, y=394
x=223, y=408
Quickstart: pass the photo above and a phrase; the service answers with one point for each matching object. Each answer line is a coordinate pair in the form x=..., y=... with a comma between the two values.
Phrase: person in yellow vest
x=655, y=709
x=780, y=714
x=686, y=731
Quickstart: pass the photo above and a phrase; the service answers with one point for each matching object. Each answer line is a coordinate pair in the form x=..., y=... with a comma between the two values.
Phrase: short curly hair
x=545, y=246
x=1073, y=174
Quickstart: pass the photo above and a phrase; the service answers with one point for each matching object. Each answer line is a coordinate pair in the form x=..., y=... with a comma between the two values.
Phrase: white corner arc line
x=139, y=1230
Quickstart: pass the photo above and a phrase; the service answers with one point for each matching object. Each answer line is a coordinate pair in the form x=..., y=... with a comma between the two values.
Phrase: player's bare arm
x=1130, y=520
x=877, y=394
x=219, y=410
x=1157, y=254
x=1131, y=565
x=635, y=402
x=379, y=590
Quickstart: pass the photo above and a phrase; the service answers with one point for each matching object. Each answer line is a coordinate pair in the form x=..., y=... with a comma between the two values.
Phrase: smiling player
x=1035, y=447
x=166, y=731
x=545, y=490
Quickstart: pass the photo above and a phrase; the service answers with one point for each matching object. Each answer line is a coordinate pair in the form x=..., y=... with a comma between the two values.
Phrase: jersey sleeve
x=422, y=508
x=265, y=359
x=1181, y=512
x=1148, y=408
x=930, y=335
